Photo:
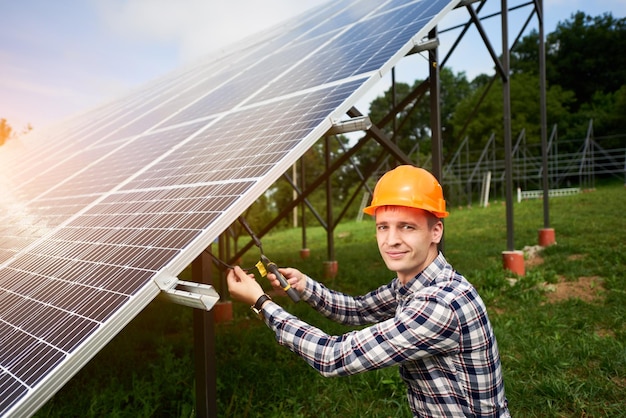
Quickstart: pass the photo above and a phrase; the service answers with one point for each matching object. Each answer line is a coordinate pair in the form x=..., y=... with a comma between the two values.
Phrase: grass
x=564, y=358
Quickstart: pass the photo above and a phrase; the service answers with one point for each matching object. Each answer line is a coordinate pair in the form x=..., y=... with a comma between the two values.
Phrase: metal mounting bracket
x=192, y=294
x=424, y=46
x=361, y=123
x=195, y=295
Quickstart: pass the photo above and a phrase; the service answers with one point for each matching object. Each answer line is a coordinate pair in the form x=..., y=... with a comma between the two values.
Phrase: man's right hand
x=294, y=277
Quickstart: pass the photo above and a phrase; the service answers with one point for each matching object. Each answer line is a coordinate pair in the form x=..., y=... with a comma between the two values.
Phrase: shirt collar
x=425, y=278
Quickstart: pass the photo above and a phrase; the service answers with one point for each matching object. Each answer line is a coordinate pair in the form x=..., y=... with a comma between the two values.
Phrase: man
x=429, y=319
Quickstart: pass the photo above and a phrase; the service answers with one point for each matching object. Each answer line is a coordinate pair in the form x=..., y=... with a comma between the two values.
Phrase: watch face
x=256, y=308
x=256, y=311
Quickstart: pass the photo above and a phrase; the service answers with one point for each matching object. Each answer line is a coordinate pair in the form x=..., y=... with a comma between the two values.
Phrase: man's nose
x=393, y=236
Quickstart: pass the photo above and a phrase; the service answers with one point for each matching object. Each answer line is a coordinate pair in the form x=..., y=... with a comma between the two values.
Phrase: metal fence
x=470, y=177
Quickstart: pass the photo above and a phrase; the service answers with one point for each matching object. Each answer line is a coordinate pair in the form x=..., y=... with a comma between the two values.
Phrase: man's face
x=405, y=241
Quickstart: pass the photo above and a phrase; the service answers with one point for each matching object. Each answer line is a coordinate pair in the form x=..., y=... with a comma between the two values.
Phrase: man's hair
x=431, y=218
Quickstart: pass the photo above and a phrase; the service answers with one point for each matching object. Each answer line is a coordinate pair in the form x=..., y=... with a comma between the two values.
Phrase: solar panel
x=100, y=213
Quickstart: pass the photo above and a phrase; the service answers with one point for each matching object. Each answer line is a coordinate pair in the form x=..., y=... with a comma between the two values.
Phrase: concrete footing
x=223, y=311
x=546, y=237
x=514, y=262
x=330, y=269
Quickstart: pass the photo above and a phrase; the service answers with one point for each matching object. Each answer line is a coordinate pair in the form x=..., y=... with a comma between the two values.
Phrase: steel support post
x=544, y=116
x=204, y=345
x=506, y=94
x=435, y=115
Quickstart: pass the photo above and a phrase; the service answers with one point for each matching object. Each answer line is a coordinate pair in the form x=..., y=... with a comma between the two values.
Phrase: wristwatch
x=256, y=308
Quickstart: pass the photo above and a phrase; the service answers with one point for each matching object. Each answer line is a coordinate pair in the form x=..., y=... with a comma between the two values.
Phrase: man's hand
x=243, y=287
x=294, y=277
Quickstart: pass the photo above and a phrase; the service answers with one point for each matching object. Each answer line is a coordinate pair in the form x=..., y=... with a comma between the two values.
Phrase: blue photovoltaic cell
x=98, y=212
x=365, y=47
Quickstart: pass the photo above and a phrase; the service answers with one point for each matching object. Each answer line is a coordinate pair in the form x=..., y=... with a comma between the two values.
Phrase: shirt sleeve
x=421, y=329
x=375, y=306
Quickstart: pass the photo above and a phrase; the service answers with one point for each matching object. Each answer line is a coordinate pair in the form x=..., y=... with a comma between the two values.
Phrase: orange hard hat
x=409, y=186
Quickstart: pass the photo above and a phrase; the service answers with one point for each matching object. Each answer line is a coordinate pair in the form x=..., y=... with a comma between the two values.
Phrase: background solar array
x=96, y=211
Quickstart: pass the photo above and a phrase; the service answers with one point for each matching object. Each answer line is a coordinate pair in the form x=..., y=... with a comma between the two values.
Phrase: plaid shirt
x=435, y=327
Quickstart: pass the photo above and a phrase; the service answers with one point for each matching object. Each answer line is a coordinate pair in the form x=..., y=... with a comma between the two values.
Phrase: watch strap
x=258, y=305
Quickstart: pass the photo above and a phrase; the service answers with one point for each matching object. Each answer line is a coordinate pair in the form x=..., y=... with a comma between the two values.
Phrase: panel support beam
x=383, y=140
x=499, y=65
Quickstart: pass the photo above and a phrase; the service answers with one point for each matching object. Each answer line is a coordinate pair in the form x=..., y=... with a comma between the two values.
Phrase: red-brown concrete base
x=305, y=253
x=514, y=262
x=330, y=269
x=546, y=237
x=223, y=311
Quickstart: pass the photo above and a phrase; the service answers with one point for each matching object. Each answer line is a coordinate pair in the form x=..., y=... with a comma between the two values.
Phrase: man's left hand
x=243, y=287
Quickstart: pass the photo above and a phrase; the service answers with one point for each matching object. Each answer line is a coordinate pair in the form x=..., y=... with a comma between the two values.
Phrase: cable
x=225, y=265
x=256, y=240
x=263, y=265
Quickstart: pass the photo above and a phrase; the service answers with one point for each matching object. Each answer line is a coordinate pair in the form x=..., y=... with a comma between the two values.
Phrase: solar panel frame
x=101, y=223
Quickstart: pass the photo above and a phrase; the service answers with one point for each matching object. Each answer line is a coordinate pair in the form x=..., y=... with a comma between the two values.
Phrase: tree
x=587, y=55
x=585, y=60
x=525, y=112
x=607, y=111
x=5, y=131
x=281, y=191
x=413, y=122
x=524, y=58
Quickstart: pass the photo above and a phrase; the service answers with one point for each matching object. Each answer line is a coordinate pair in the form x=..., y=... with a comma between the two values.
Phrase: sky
x=62, y=57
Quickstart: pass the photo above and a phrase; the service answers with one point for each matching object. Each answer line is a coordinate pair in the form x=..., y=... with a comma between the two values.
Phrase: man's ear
x=437, y=232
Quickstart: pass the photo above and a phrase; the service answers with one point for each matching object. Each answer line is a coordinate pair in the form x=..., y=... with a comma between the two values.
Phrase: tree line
x=585, y=79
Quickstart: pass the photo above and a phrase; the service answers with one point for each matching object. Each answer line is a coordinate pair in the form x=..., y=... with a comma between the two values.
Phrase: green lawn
x=560, y=328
